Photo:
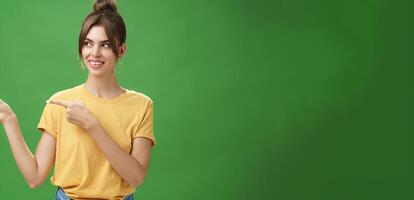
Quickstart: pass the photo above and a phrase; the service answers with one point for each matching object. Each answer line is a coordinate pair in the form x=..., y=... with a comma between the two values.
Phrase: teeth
x=96, y=62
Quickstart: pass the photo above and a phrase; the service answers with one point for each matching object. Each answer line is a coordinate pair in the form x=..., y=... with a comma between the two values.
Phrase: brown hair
x=106, y=15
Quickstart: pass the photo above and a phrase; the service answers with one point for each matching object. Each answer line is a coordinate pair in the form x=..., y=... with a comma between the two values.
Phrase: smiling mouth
x=95, y=63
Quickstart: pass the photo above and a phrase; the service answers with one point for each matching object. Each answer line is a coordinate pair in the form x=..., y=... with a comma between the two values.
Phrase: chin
x=96, y=74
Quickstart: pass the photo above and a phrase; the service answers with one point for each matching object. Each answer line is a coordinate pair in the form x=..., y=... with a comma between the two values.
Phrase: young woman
x=98, y=134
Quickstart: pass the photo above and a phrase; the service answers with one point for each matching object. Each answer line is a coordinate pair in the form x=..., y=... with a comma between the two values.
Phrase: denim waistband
x=61, y=195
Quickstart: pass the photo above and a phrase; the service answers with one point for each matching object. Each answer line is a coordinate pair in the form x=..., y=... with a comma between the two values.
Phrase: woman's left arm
x=131, y=167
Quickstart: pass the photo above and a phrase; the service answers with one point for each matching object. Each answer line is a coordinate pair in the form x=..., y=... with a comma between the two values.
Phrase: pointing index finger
x=58, y=102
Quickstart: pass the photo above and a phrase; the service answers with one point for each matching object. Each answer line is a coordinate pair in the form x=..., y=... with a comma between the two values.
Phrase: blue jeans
x=61, y=195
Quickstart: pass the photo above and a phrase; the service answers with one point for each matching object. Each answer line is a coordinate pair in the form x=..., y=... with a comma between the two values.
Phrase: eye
x=87, y=43
x=106, y=45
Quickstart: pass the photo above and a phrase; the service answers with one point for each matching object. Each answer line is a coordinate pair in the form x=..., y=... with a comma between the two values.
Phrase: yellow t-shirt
x=81, y=169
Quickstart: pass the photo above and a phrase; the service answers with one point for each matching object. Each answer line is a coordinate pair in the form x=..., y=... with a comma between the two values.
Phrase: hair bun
x=101, y=5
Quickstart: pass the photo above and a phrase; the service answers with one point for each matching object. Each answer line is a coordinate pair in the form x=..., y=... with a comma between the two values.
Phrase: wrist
x=9, y=120
x=92, y=124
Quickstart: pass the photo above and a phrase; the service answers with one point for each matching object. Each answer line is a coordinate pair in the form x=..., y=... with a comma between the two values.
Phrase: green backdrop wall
x=254, y=99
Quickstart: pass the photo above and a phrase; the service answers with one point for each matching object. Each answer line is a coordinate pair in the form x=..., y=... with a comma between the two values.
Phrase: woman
x=98, y=134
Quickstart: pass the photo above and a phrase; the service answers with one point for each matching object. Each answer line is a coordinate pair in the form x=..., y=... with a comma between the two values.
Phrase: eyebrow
x=104, y=41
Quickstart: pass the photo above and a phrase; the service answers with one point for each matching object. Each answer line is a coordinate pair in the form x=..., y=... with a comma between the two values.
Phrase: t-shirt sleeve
x=146, y=126
x=49, y=120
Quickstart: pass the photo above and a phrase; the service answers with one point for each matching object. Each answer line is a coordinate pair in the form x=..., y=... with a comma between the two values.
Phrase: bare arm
x=35, y=168
x=131, y=167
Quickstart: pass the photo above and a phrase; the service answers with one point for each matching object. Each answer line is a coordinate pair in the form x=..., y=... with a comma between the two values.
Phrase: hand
x=6, y=113
x=76, y=113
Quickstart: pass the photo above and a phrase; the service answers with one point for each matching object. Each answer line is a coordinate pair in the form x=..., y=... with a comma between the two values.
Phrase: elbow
x=136, y=182
x=34, y=183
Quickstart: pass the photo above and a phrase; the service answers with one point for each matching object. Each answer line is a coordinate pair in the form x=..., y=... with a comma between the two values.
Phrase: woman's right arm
x=35, y=168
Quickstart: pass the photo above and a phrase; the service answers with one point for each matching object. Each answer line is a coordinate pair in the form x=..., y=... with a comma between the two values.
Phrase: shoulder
x=66, y=93
x=139, y=97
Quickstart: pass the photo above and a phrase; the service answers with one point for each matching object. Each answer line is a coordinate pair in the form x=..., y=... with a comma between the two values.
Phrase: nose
x=96, y=51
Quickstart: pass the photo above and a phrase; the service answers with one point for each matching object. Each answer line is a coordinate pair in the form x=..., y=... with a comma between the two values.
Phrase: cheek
x=109, y=55
x=85, y=53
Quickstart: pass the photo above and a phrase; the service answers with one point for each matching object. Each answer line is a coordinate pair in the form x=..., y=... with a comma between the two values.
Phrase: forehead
x=97, y=33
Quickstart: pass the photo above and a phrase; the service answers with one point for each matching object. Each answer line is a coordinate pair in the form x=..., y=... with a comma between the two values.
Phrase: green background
x=254, y=99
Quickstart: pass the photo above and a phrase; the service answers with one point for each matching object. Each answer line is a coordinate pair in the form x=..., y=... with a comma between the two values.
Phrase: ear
x=122, y=50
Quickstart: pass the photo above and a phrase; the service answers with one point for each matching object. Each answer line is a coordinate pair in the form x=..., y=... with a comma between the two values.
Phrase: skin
x=132, y=166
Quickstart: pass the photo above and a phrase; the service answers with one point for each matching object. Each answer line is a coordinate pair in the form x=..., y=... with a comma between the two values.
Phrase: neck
x=103, y=86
